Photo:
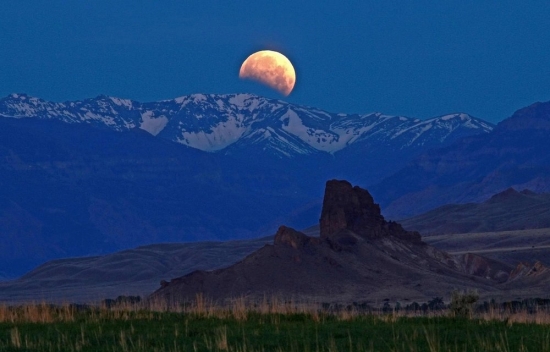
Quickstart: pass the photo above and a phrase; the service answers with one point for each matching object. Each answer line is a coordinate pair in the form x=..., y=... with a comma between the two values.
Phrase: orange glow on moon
x=270, y=68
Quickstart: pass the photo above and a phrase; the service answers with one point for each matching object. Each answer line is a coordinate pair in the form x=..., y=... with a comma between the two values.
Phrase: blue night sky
x=419, y=58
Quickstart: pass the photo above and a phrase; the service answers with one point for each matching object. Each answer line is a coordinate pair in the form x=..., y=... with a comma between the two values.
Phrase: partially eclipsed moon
x=270, y=68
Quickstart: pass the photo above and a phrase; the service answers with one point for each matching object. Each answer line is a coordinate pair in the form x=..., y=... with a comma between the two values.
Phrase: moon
x=270, y=68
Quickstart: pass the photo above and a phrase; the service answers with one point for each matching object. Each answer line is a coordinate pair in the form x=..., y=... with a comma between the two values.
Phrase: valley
x=139, y=271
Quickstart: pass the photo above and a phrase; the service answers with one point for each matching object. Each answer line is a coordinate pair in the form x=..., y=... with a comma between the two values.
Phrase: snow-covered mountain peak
x=460, y=116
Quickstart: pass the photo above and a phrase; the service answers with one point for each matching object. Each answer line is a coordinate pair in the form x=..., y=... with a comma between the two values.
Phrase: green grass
x=63, y=329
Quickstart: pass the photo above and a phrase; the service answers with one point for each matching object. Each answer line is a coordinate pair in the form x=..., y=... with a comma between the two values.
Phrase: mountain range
x=233, y=122
x=472, y=169
x=96, y=176
x=242, y=125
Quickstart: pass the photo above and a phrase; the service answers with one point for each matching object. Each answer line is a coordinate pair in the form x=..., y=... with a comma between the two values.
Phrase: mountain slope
x=135, y=271
x=474, y=168
x=70, y=190
x=508, y=210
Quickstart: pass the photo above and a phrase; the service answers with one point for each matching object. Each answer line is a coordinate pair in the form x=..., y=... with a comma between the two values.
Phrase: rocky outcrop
x=352, y=208
x=528, y=270
x=290, y=237
x=477, y=265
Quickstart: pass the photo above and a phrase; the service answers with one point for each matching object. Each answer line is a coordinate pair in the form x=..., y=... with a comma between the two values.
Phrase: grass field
x=264, y=327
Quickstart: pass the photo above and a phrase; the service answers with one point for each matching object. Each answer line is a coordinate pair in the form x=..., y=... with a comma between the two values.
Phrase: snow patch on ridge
x=217, y=138
x=122, y=102
x=447, y=117
x=239, y=100
x=420, y=131
x=316, y=138
x=153, y=125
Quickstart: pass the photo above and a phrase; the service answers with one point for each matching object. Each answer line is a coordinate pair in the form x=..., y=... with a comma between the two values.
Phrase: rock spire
x=352, y=208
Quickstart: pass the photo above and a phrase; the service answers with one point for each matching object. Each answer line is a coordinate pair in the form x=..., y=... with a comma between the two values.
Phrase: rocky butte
x=359, y=256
